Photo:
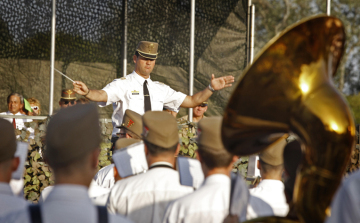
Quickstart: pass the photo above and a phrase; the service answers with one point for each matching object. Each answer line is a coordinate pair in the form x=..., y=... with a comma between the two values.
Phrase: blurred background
x=89, y=43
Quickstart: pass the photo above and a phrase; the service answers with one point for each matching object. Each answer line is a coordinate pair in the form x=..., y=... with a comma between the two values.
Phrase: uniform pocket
x=136, y=103
x=157, y=101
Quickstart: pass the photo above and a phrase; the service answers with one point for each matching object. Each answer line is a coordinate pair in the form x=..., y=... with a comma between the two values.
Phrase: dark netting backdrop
x=89, y=41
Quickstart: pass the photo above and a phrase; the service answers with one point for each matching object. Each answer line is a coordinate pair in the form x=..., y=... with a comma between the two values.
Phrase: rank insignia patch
x=145, y=131
x=135, y=92
x=130, y=123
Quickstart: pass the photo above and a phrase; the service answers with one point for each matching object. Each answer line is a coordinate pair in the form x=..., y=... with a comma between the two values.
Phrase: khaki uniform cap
x=124, y=142
x=72, y=133
x=7, y=139
x=68, y=94
x=209, y=133
x=273, y=155
x=132, y=121
x=160, y=129
x=147, y=49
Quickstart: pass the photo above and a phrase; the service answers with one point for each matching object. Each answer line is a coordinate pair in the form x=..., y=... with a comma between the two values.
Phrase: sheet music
x=21, y=152
x=253, y=172
x=190, y=172
x=239, y=195
x=131, y=160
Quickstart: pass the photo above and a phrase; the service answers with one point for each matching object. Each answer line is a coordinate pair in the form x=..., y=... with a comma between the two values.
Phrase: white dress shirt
x=127, y=93
x=144, y=198
x=210, y=203
x=20, y=123
x=272, y=193
x=65, y=203
x=8, y=201
x=105, y=177
x=345, y=207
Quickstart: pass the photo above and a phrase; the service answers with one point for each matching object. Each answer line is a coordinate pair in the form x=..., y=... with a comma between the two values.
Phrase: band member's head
x=8, y=162
x=211, y=152
x=68, y=98
x=132, y=124
x=73, y=144
x=271, y=161
x=160, y=135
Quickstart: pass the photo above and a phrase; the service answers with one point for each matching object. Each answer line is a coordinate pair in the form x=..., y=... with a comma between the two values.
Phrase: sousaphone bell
x=288, y=89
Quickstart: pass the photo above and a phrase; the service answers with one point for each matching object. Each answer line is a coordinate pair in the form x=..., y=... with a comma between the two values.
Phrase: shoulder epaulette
x=158, y=82
x=123, y=78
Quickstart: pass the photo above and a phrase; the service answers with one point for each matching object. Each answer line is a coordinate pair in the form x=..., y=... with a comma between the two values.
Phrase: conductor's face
x=143, y=66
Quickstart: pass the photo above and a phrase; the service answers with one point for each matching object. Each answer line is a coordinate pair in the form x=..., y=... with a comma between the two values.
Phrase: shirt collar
x=68, y=192
x=272, y=183
x=6, y=189
x=161, y=163
x=140, y=79
x=217, y=179
x=9, y=113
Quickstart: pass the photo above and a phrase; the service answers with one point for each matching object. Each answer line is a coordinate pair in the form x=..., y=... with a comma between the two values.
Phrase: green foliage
x=187, y=139
x=273, y=16
x=37, y=174
x=354, y=102
x=354, y=163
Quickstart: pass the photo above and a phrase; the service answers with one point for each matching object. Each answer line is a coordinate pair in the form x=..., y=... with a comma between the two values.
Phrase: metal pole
x=328, y=7
x=248, y=26
x=252, y=163
x=252, y=33
x=192, y=41
x=124, y=53
x=52, y=57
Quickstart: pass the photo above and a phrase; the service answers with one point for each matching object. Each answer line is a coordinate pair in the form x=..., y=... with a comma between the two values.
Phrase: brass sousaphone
x=288, y=88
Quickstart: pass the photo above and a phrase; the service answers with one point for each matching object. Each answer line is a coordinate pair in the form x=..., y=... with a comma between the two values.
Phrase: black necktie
x=147, y=102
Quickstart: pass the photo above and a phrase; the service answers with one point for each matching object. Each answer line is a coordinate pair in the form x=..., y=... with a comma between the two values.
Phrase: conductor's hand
x=80, y=88
x=221, y=82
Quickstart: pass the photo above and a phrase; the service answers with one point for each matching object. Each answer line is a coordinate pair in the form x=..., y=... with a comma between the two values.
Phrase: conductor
x=139, y=93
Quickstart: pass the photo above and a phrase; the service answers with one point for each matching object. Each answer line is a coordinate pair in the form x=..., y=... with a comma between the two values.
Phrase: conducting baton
x=64, y=75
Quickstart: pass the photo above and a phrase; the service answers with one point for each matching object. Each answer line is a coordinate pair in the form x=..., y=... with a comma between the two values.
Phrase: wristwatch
x=211, y=88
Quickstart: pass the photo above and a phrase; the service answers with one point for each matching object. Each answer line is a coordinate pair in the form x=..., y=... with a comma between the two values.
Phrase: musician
x=210, y=203
x=8, y=164
x=345, y=207
x=68, y=98
x=271, y=188
x=143, y=198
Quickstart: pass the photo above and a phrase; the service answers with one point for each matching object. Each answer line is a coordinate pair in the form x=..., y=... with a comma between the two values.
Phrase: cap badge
x=69, y=91
x=151, y=46
x=130, y=123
